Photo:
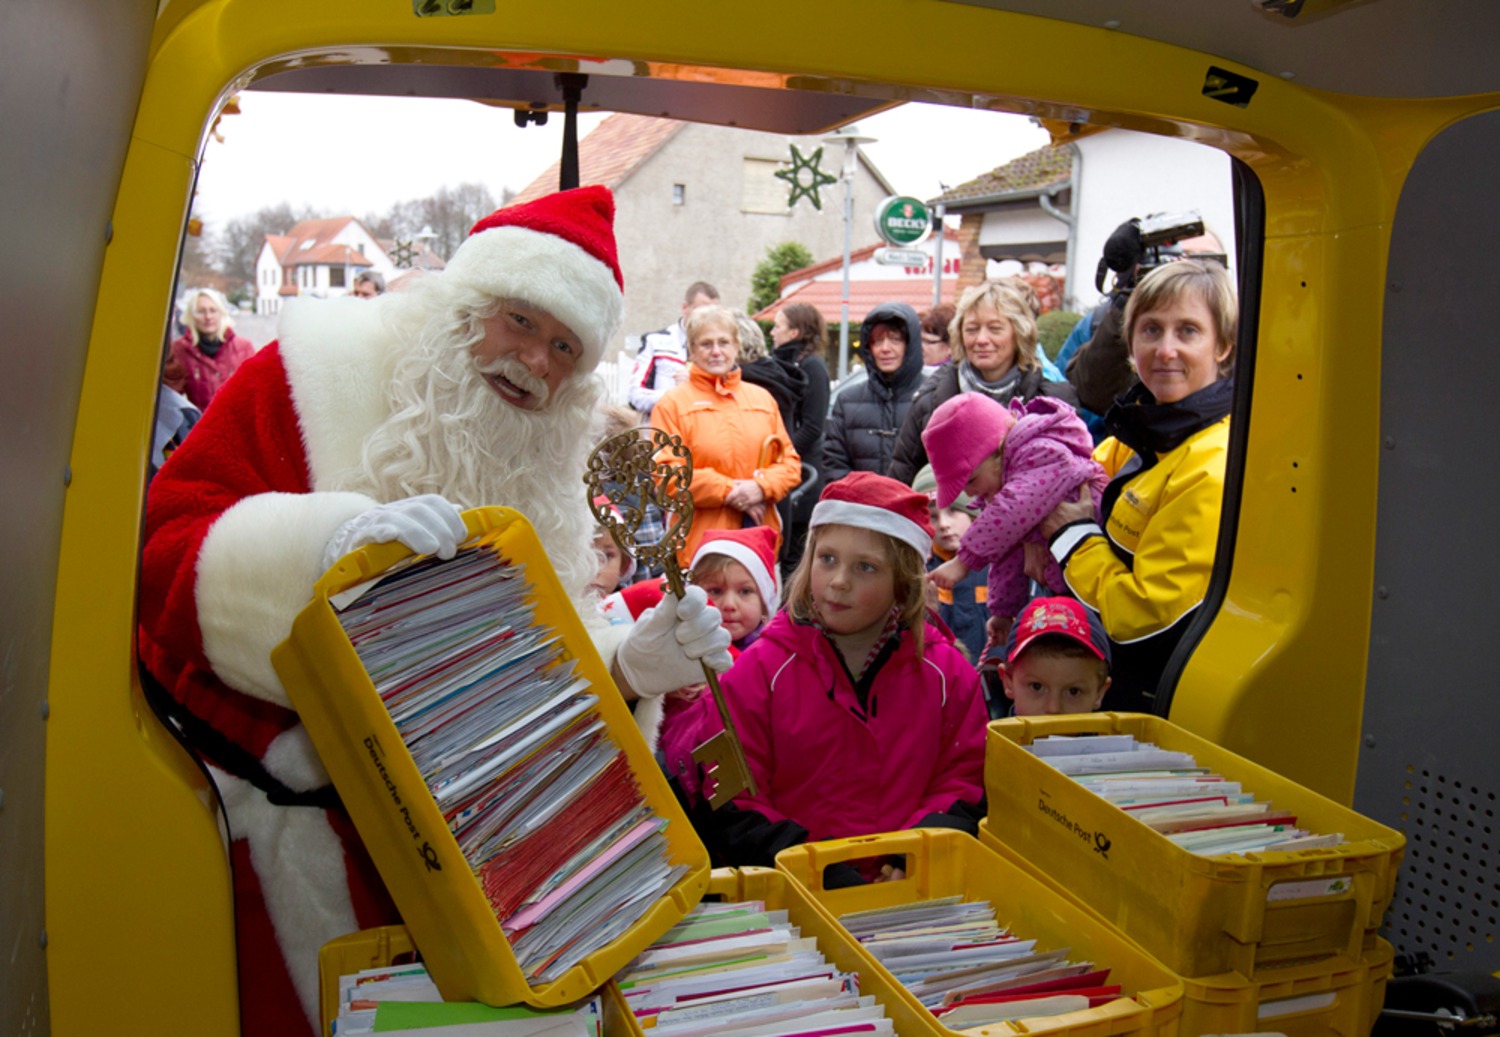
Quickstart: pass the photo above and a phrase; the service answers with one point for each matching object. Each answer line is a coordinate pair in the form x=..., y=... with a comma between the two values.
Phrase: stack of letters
x=401, y=999
x=735, y=970
x=1195, y=808
x=968, y=970
x=542, y=802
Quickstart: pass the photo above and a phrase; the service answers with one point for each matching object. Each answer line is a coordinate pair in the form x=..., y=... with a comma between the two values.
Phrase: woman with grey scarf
x=994, y=333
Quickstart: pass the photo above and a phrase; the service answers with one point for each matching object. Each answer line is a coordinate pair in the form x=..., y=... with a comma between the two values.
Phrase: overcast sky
x=358, y=155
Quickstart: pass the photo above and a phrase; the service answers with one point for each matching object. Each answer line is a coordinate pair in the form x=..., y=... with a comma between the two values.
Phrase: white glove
x=669, y=645
x=429, y=525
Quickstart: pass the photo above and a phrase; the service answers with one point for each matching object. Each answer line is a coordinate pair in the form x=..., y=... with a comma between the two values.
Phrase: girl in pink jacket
x=856, y=714
x=1018, y=463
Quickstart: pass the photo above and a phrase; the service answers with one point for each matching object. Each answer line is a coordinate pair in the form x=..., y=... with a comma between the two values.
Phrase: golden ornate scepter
x=657, y=468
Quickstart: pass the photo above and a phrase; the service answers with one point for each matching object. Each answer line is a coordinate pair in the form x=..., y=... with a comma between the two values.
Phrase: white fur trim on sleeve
x=255, y=572
x=648, y=717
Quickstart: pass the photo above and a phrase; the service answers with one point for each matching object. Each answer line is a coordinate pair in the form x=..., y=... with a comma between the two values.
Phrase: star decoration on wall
x=806, y=178
x=403, y=254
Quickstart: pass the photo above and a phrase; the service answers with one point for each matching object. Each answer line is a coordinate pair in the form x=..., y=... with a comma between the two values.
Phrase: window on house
x=336, y=277
x=761, y=191
x=679, y=193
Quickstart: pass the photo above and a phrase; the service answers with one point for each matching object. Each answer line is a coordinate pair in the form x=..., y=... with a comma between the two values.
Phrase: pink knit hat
x=962, y=432
x=557, y=252
x=755, y=549
x=869, y=501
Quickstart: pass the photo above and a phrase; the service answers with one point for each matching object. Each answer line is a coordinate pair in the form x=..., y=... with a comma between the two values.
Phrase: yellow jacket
x=1150, y=565
x=726, y=424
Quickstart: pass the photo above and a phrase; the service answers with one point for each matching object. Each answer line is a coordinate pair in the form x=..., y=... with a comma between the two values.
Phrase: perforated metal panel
x=1430, y=765
x=1448, y=893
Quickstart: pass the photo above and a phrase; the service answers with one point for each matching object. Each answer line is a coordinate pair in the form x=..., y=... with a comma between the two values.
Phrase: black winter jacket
x=911, y=455
x=861, y=433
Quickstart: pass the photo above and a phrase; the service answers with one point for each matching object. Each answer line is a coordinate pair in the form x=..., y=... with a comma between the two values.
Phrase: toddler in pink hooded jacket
x=1018, y=464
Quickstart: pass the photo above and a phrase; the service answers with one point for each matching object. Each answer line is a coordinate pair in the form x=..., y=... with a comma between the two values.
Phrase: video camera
x=1142, y=244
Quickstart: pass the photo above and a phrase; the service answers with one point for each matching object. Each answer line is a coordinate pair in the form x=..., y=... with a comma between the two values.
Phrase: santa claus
x=366, y=423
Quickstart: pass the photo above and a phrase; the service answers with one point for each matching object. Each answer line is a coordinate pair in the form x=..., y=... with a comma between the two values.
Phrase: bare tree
x=448, y=213
x=238, y=244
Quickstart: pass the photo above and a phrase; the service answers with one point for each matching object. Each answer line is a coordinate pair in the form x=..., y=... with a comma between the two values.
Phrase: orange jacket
x=725, y=423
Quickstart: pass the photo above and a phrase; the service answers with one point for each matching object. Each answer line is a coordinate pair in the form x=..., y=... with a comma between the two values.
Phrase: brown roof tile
x=864, y=296
x=609, y=153
x=1043, y=167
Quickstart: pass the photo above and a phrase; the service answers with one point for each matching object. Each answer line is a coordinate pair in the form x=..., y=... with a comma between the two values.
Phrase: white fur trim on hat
x=868, y=516
x=768, y=583
x=546, y=271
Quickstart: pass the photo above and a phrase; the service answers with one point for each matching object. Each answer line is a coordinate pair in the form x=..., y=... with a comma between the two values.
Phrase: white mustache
x=515, y=372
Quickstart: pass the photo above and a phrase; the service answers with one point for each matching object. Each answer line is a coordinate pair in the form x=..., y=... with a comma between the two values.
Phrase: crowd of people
x=875, y=580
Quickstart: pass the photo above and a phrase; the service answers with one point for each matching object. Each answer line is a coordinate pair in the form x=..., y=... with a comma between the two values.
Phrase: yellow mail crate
x=1332, y=998
x=1200, y=915
x=429, y=879
x=945, y=863
x=366, y=949
x=780, y=894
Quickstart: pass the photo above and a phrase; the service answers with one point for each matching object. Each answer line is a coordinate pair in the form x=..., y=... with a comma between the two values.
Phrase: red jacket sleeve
x=249, y=442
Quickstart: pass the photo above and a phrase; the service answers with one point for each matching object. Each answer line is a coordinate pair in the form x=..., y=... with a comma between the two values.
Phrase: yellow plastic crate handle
x=812, y=858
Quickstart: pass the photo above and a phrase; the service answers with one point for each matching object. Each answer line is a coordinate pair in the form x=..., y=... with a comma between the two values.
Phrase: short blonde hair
x=711, y=316
x=1201, y=279
x=1011, y=303
x=908, y=569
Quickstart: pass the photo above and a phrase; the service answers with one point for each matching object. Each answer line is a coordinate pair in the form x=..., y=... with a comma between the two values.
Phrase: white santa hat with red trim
x=869, y=501
x=557, y=253
x=755, y=549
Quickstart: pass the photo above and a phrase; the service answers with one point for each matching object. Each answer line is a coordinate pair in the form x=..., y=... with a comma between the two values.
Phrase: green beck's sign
x=901, y=220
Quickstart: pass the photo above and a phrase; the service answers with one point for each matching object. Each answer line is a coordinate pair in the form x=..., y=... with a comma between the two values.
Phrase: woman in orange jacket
x=743, y=458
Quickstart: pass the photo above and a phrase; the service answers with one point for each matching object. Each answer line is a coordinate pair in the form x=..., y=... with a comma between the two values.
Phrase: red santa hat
x=755, y=549
x=558, y=253
x=869, y=501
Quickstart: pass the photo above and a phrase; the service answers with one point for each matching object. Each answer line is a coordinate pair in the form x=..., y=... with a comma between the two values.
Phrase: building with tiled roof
x=870, y=282
x=697, y=202
x=321, y=258
x=1058, y=204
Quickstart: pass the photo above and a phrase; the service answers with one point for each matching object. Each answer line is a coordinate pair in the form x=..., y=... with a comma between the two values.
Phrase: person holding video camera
x=1095, y=356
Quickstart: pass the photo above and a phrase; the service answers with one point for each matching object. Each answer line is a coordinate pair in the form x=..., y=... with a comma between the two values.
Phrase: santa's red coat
x=236, y=524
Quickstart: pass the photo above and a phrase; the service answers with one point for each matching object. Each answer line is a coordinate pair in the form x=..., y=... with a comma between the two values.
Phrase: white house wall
x=1125, y=174
x=665, y=247
x=1023, y=227
x=267, y=281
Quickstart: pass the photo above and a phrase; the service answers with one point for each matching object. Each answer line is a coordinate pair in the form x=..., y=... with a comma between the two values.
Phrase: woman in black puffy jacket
x=861, y=433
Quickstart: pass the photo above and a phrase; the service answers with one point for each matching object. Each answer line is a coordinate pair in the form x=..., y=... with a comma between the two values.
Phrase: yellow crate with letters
x=944, y=863
x=441, y=901
x=1333, y=998
x=1200, y=915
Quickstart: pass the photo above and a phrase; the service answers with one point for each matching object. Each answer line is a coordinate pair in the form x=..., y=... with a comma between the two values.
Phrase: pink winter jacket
x=1048, y=454
x=818, y=761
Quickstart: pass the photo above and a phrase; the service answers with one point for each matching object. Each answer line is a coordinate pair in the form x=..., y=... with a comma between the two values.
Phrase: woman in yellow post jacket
x=743, y=458
x=1147, y=569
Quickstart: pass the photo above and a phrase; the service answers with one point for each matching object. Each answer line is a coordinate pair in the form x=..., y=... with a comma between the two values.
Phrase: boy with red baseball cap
x=1056, y=659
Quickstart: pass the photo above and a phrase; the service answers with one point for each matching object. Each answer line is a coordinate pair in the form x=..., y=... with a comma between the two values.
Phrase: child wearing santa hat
x=737, y=570
x=856, y=714
x=1018, y=463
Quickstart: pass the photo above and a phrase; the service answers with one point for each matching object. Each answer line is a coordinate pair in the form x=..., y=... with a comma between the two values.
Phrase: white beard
x=449, y=433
